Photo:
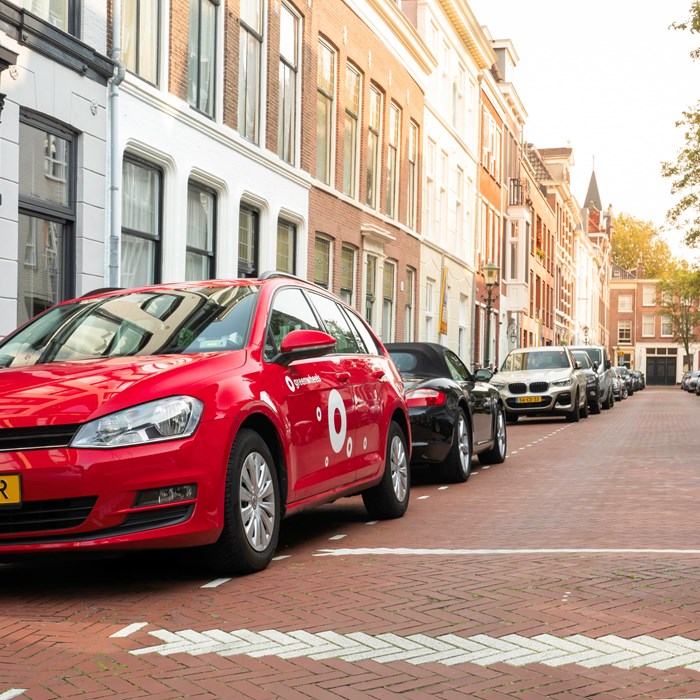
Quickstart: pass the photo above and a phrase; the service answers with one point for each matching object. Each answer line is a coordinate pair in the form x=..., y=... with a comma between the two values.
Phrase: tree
x=680, y=292
x=634, y=240
x=684, y=173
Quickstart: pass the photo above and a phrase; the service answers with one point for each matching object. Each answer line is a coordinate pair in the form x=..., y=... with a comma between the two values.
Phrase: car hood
x=531, y=375
x=74, y=392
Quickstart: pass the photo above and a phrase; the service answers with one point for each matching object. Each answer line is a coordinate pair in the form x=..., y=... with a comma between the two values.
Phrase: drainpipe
x=114, y=160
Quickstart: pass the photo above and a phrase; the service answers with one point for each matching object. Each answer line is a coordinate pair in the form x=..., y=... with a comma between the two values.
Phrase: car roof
x=431, y=356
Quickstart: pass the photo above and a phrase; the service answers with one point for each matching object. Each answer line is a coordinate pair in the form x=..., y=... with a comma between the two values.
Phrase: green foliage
x=679, y=297
x=634, y=240
x=684, y=173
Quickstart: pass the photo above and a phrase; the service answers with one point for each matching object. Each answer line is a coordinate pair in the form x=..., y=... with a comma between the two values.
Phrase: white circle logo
x=319, y=415
x=348, y=448
x=290, y=383
x=335, y=405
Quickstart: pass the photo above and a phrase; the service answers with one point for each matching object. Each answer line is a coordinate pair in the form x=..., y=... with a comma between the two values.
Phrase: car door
x=479, y=400
x=316, y=398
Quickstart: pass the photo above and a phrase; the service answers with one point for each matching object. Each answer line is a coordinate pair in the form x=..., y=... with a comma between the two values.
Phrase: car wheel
x=595, y=407
x=511, y=417
x=458, y=463
x=608, y=403
x=497, y=454
x=574, y=415
x=584, y=409
x=389, y=498
x=252, y=509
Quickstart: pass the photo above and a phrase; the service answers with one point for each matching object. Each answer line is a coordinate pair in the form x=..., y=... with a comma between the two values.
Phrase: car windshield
x=583, y=358
x=594, y=355
x=190, y=320
x=534, y=360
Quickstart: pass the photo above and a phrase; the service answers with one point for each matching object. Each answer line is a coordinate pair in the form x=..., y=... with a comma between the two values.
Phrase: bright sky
x=609, y=79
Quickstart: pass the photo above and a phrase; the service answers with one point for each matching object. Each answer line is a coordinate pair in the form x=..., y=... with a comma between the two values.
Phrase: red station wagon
x=194, y=414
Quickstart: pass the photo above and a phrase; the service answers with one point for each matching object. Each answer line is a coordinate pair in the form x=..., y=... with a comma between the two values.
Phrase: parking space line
x=216, y=583
x=12, y=693
x=337, y=537
x=364, y=551
x=124, y=632
x=281, y=556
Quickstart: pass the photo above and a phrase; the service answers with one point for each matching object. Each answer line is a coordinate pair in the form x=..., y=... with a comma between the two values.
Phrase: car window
x=359, y=325
x=136, y=323
x=457, y=368
x=336, y=324
x=583, y=358
x=290, y=312
x=405, y=361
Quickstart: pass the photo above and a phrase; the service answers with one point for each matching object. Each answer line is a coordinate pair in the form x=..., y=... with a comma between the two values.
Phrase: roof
x=592, y=200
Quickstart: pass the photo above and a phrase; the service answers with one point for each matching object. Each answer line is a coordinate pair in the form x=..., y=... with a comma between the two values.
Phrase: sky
x=609, y=79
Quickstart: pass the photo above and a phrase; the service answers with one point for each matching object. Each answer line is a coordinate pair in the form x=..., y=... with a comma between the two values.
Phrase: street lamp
x=585, y=335
x=490, y=271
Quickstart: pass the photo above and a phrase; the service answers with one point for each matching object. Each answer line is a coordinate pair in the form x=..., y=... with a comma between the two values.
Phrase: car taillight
x=425, y=397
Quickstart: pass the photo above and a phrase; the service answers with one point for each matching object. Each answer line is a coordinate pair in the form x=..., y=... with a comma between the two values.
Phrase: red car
x=194, y=414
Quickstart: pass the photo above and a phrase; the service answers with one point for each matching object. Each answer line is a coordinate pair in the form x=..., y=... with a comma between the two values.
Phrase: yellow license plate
x=529, y=399
x=10, y=490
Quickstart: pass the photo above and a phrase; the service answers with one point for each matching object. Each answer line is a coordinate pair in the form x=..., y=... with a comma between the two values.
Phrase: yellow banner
x=443, y=302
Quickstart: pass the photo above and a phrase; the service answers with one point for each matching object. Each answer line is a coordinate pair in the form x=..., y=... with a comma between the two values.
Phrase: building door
x=661, y=371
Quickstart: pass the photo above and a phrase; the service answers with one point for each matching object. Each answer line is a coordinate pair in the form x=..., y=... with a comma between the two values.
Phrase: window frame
x=629, y=300
x=293, y=229
x=210, y=254
x=646, y=320
x=288, y=152
x=328, y=282
x=347, y=293
x=322, y=93
x=624, y=332
x=253, y=269
x=258, y=35
x=138, y=41
x=352, y=116
x=212, y=93
x=647, y=291
x=412, y=184
x=393, y=162
x=389, y=301
x=374, y=147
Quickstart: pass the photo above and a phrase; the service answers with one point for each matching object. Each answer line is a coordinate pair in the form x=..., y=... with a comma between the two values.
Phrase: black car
x=592, y=380
x=453, y=416
x=627, y=377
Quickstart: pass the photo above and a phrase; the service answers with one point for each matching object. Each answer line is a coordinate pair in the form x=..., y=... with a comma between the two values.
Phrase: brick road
x=570, y=571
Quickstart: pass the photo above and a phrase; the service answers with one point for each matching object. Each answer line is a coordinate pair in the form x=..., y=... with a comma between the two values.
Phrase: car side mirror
x=595, y=366
x=484, y=375
x=577, y=364
x=297, y=345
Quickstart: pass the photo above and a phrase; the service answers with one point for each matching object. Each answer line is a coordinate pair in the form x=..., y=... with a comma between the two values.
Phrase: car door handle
x=343, y=377
x=378, y=373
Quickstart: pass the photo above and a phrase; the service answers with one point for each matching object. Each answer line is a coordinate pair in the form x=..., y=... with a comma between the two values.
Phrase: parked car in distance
x=642, y=379
x=691, y=381
x=619, y=386
x=541, y=381
x=598, y=355
x=453, y=416
x=684, y=381
x=195, y=415
x=627, y=378
x=592, y=379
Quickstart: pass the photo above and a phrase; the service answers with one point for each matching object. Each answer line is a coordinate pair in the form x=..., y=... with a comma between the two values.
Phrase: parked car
x=684, y=381
x=598, y=355
x=691, y=382
x=627, y=378
x=619, y=386
x=642, y=379
x=541, y=381
x=453, y=416
x=592, y=379
x=195, y=414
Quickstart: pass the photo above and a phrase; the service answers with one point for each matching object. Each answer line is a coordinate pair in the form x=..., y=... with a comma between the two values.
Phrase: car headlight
x=563, y=382
x=590, y=380
x=165, y=419
x=497, y=385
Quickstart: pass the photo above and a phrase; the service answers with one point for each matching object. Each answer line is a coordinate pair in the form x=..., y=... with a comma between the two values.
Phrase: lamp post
x=490, y=271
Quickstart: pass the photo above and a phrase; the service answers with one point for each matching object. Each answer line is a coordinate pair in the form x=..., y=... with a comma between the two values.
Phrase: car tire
x=594, y=408
x=252, y=509
x=389, y=498
x=608, y=403
x=511, y=417
x=497, y=454
x=458, y=464
x=575, y=414
x=584, y=410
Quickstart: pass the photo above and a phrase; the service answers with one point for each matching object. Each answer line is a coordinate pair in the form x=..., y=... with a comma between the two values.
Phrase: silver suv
x=599, y=356
x=542, y=381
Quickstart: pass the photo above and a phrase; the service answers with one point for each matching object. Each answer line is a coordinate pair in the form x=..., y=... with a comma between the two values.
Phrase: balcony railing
x=519, y=192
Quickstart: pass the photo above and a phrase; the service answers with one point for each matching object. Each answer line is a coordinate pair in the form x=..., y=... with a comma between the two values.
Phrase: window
x=441, y=205
x=624, y=332
x=462, y=332
x=201, y=217
x=59, y=13
x=142, y=202
x=429, y=311
x=666, y=326
x=286, y=247
x=624, y=302
x=648, y=328
x=325, y=100
x=322, y=262
x=370, y=287
x=430, y=186
x=459, y=211
x=458, y=86
x=412, y=199
x=337, y=324
x=491, y=149
x=353, y=90
x=347, y=275
x=141, y=37
x=289, y=67
x=201, y=74
x=290, y=312
x=249, y=69
x=373, y=147
x=248, y=241
x=648, y=295
x=409, y=308
x=388, y=293
x=392, y=169
x=514, y=246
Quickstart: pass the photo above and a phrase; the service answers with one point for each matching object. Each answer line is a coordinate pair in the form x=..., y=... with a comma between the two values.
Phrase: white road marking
x=443, y=488
x=12, y=693
x=371, y=522
x=337, y=537
x=216, y=583
x=281, y=556
x=125, y=632
x=362, y=551
x=447, y=649
x=422, y=498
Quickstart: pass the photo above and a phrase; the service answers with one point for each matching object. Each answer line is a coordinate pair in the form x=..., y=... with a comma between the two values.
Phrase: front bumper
x=79, y=499
x=556, y=402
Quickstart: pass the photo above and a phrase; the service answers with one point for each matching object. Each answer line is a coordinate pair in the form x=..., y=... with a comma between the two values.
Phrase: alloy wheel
x=257, y=501
x=399, y=468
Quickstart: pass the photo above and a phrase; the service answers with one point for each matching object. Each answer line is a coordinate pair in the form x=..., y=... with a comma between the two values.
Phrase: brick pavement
x=625, y=480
